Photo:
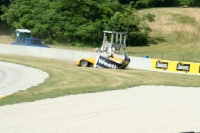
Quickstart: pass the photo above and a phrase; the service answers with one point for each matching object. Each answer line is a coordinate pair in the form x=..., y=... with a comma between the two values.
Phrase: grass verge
x=67, y=79
x=175, y=35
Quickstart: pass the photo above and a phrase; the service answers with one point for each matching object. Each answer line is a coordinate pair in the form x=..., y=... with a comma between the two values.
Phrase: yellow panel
x=197, y=68
x=187, y=67
x=176, y=66
x=160, y=64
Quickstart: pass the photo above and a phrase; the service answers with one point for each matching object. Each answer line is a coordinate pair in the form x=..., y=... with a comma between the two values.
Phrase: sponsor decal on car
x=104, y=62
x=161, y=65
x=183, y=67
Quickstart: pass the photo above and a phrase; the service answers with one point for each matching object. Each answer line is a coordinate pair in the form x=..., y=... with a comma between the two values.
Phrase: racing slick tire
x=84, y=63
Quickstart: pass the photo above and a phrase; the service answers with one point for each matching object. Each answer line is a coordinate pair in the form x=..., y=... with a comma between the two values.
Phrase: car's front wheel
x=84, y=63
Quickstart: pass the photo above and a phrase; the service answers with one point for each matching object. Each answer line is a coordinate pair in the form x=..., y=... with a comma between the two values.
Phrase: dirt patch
x=164, y=23
x=155, y=109
x=4, y=39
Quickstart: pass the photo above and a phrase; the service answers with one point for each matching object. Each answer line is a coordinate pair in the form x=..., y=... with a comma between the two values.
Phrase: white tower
x=113, y=40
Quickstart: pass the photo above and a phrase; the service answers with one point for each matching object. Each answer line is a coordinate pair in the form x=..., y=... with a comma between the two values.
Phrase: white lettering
x=181, y=67
x=161, y=65
x=101, y=61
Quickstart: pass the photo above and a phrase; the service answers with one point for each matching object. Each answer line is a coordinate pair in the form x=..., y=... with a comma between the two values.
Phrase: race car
x=105, y=62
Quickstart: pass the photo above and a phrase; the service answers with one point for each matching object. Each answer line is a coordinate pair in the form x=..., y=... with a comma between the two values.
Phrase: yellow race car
x=104, y=62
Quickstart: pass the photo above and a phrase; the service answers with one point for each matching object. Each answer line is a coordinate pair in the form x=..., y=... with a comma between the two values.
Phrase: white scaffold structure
x=113, y=41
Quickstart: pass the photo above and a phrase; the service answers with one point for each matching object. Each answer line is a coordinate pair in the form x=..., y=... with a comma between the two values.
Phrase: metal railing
x=184, y=57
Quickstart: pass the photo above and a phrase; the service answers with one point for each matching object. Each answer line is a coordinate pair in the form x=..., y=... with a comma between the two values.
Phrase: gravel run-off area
x=143, y=109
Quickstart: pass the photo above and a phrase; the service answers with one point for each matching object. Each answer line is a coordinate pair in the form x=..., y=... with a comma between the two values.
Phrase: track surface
x=145, y=109
x=15, y=77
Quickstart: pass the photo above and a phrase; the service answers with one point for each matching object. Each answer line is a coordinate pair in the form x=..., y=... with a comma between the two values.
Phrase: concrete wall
x=68, y=55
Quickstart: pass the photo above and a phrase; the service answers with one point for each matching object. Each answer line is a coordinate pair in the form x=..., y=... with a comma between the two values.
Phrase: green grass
x=175, y=37
x=178, y=44
x=67, y=79
x=168, y=52
x=184, y=19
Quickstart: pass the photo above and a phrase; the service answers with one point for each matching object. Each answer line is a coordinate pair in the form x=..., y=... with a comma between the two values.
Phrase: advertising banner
x=160, y=65
x=185, y=67
x=103, y=62
x=197, y=68
x=175, y=66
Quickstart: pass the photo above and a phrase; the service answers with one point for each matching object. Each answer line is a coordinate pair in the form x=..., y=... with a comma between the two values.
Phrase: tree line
x=81, y=22
x=77, y=22
x=160, y=3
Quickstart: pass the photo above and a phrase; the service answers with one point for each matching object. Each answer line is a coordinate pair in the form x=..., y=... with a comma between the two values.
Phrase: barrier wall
x=175, y=66
x=73, y=56
x=197, y=68
x=68, y=55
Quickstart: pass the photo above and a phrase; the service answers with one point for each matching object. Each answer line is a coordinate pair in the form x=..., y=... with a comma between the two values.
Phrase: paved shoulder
x=14, y=77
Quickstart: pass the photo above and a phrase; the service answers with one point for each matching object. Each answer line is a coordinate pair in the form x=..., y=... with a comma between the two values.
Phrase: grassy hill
x=6, y=35
x=175, y=35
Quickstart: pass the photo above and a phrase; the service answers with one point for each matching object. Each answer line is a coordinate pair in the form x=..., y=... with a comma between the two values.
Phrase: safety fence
x=192, y=56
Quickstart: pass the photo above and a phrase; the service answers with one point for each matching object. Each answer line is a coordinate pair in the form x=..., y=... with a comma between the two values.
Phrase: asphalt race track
x=14, y=77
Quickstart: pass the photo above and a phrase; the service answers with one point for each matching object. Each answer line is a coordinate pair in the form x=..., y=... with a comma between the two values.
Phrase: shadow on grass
x=152, y=41
x=5, y=29
x=156, y=40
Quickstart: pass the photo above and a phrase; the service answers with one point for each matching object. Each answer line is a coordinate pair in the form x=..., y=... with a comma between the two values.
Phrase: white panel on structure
x=24, y=30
